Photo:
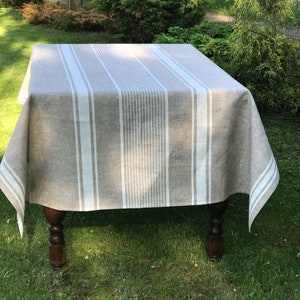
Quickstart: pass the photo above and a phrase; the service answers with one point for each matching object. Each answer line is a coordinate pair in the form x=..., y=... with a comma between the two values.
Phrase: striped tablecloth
x=108, y=126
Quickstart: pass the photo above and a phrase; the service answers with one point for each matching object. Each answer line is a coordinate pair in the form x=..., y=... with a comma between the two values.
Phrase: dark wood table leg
x=215, y=238
x=57, y=249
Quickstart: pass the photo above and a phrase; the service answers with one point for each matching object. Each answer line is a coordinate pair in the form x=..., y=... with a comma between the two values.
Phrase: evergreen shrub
x=263, y=59
x=140, y=21
x=266, y=63
x=269, y=65
x=208, y=37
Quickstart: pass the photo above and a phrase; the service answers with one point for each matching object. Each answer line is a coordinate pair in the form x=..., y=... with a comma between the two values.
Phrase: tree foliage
x=271, y=13
x=267, y=62
x=141, y=20
x=208, y=37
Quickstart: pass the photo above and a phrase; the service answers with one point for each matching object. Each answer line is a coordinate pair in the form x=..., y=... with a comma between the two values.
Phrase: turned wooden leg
x=57, y=250
x=215, y=238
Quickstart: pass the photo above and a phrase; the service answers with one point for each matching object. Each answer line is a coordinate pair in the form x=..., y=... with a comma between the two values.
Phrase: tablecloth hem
x=259, y=205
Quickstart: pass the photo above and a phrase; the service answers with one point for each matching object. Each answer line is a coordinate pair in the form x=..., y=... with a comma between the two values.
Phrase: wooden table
x=109, y=126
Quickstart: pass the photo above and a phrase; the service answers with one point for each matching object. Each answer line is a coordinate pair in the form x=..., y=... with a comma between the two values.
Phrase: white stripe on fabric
x=6, y=180
x=75, y=126
x=203, y=190
x=16, y=177
x=262, y=175
x=20, y=199
x=16, y=189
x=157, y=194
x=86, y=157
x=165, y=111
x=93, y=124
x=20, y=221
x=133, y=86
x=193, y=150
x=263, y=183
x=209, y=162
x=121, y=124
x=13, y=183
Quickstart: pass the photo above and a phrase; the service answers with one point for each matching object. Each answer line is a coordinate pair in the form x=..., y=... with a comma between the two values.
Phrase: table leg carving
x=215, y=238
x=57, y=249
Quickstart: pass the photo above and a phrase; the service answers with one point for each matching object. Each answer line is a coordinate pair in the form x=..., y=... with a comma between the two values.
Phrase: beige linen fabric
x=108, y=126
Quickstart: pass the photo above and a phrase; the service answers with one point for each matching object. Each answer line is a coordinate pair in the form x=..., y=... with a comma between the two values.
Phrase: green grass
x=146, y=254
x=17, y=38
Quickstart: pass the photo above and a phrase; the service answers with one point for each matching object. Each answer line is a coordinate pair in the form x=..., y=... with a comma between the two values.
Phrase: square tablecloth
x=109, y=126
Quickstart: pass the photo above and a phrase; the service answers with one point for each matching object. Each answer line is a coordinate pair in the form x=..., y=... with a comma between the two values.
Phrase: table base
x=57, y=248
x=214, y=237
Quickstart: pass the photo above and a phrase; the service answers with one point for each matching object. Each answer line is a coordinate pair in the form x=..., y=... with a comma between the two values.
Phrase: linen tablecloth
x=108, y=126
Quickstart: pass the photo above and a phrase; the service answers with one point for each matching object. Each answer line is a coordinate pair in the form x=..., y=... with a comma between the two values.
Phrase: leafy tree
x=272, y=13
x=263, y=59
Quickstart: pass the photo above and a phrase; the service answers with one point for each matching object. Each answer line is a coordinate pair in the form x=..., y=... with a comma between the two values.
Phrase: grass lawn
x=146, y=254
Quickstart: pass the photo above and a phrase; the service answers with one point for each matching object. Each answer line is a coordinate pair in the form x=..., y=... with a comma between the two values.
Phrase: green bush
x=208, y=37
x=141, y=20
x=267, y=62
x=269, y=65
